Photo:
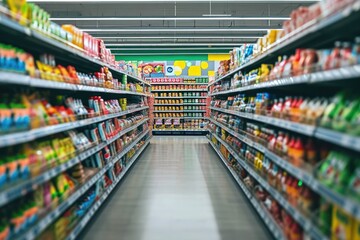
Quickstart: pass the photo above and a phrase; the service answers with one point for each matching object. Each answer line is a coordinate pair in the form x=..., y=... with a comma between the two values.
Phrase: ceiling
x=133, y=27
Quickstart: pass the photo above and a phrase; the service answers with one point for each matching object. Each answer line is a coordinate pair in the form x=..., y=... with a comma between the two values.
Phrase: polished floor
x=178, y=190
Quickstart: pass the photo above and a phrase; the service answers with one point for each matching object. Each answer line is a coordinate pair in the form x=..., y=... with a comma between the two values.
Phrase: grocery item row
x=178, y=87
x=24, y=111
x=32, y=16
x=180, y=101
x=15, y=60
x=180, y=108
x=21, y=163
x=304, y=61
x=339, y=113
x=301, y=19
x=294, y=204
x=268, y=148
x=179, y=115
x=69, y=221
x=166, y=80
x=178, y=124
x=181, y=94
x=32, y=211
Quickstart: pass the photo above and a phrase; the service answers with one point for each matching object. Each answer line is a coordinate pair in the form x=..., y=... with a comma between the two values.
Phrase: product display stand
x=180, y=105
x=285, y=140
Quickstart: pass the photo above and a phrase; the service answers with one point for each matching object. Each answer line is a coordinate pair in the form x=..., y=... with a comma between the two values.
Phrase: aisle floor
x=178, y=189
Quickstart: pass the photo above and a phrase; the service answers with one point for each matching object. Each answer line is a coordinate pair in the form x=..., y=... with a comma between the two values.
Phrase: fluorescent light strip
x=169, y=49
x=172, y=1
x=182, y=37
x=161, y=53
x=170, y=18
x=172, y=44
x=180, y=30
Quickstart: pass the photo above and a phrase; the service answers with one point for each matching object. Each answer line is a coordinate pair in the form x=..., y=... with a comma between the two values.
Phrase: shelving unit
x=135, y=130
x=256, y=96
x=178, y=109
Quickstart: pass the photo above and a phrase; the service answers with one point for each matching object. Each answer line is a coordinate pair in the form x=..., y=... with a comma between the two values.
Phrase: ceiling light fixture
x=161, y=53
x=171, y=1
x=171, y=44
x=180, y=30
x=205, y=18
x=169, y=49
x=182, y=37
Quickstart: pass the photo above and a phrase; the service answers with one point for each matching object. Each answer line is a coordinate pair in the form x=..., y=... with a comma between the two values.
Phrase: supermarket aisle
x=179, y=189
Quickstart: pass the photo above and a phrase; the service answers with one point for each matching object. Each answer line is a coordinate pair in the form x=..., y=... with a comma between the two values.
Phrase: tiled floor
x=179, y=189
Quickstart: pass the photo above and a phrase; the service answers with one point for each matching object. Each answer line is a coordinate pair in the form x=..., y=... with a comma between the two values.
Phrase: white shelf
x=180, y=130
x=175, y=83
x=42, y=224
x=292, y=126
x=186, y=118
x=351, y=206
x=181, y=104
x=352, y=72
x=337, y=138
x=180, y=97
x=27, y=186
x=181, y=90
x=90, y=213
x=27, y=136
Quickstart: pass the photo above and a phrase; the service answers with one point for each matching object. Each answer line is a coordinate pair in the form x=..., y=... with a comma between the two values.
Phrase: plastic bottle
x=298, y=152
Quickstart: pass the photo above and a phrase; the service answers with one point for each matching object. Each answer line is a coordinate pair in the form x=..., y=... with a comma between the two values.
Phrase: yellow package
x=356, y=230
x=342, y=225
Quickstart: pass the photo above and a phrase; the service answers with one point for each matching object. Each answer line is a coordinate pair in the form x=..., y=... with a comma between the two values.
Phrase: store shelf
x=158, y=104
x=305, y=223
x=179, y=130
x=81, y=225
x=181, y=104
x=341, y=74
x=180, y=118
x=21, y=189
x=304, y=129
x=26, y=37
x=186, y=118
x=180, y=97
x=266, y=217
x=338, y=138
x=53, y=215
x=346, y=203
x=27, y=136
x=312, y=32
x=194, y=111
x=169, y=111
x=176, y=83
x=181, y=90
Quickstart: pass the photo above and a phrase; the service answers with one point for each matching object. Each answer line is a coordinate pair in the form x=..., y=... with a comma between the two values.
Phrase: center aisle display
x=285, y=122
x=180, y=105
x=71, y=126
